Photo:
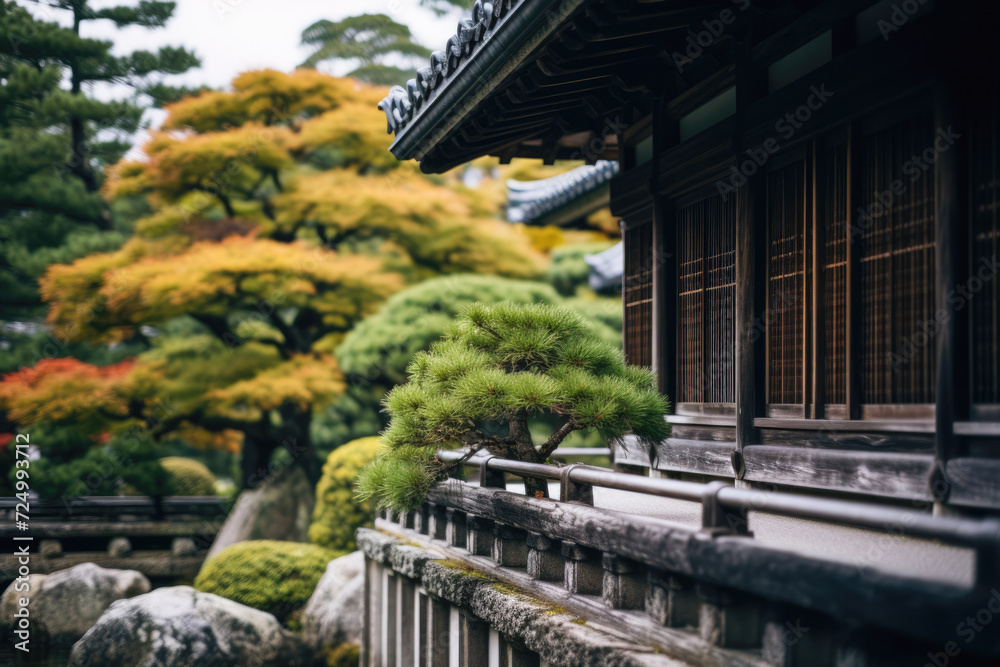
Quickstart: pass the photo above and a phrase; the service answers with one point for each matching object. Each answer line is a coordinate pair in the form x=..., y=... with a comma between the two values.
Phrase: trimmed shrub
x=189, y=477
x=276, y=577
x=337, y=514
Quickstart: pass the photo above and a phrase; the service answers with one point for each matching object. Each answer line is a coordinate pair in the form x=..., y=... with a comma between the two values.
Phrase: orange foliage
x=65, y=390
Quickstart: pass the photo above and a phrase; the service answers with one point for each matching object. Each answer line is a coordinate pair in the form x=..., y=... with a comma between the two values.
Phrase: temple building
x=809, y=190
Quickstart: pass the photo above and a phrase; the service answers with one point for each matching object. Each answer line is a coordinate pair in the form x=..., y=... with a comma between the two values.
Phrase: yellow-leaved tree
x=274, y=220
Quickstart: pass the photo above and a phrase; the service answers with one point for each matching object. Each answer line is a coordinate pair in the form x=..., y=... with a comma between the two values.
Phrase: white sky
x=233, y=36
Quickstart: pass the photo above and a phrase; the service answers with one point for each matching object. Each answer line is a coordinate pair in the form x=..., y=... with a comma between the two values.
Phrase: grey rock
x=120, y=547
x=278, y=509
x=335, y=610
x=64, y=605
x=179, y=626
x=182, y=547
x=10, y=602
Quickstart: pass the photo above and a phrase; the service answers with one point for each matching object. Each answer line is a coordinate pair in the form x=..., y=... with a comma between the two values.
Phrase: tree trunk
x=257, y=453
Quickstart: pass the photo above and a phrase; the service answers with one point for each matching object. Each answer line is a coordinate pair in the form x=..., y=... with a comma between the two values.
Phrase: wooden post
x=582, y=570
x=672, y=600
x=406, y=620
x=479, y=535
x=544, y=561
x=455, y=529
x=437, y=523
x=729, y=619
x=474, y=642
x=624, y=585
x=437, y=639
x=510, y=548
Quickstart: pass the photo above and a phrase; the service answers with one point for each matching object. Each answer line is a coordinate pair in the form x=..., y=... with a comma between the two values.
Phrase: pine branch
x=556, y=438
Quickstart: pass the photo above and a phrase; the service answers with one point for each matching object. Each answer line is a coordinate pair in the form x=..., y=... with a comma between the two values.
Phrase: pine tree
x=56, y=138
x=498, y=366
x=366, y=39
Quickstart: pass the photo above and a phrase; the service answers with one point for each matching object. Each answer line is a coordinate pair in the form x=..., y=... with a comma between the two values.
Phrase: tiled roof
x=530, y=201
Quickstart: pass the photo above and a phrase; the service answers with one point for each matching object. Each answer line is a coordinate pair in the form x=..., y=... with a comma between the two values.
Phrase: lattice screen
x=985, y=362
x=706, y=301
x=638, y=295
x=896, y=257
x=786, y=221
x=834, y=298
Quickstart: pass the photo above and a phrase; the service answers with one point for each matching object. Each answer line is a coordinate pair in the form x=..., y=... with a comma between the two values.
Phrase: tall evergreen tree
x=56, y=137
x=367, y=39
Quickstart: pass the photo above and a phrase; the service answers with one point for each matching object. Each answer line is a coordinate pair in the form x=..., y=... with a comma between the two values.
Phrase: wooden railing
x=695, y=590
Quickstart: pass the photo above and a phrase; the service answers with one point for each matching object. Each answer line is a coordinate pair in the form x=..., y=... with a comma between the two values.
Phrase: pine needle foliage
x=497, y=366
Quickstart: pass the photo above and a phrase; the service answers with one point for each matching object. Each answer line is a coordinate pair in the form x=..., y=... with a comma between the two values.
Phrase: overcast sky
x=233, y=36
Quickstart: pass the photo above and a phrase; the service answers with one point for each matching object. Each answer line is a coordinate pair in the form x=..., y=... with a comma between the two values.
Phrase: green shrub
x=189, y=477
x=337, y=515
x=276, y=577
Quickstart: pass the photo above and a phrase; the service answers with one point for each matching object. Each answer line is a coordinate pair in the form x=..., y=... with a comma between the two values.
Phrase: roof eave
x=499, y=53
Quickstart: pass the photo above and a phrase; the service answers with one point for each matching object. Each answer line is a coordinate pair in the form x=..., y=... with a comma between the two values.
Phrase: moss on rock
x=337, y=514
x=276, y=577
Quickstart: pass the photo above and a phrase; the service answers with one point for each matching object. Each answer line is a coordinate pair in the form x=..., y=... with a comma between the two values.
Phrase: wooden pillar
x=750, y=245
x=951, y=223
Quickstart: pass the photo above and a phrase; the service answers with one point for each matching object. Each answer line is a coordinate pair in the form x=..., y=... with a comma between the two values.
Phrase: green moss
x=276, y=577
x=337, y=515
x=189, y=477
x=579, y=621
x=344, y=655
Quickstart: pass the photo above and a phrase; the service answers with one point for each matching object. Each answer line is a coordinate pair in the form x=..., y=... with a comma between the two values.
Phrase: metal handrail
x=953, y=530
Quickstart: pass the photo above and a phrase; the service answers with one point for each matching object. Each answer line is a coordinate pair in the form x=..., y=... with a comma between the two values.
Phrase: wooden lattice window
x=706, y=283
x=638, y=295
x=834, y=293
x=786, y=264
x=985, y=289
x=895, y=238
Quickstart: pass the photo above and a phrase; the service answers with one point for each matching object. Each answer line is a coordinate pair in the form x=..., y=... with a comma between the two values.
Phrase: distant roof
x=606, y=267
x=561, y=199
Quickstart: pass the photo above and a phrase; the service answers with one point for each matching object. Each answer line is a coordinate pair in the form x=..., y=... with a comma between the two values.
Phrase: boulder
x=335, y=612
x=179, y=627
x=64, y=605
x=9, y=603
x=279, y=509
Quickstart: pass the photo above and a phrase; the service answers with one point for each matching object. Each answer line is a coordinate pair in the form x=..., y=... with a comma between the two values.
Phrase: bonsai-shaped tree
x=498, y=366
